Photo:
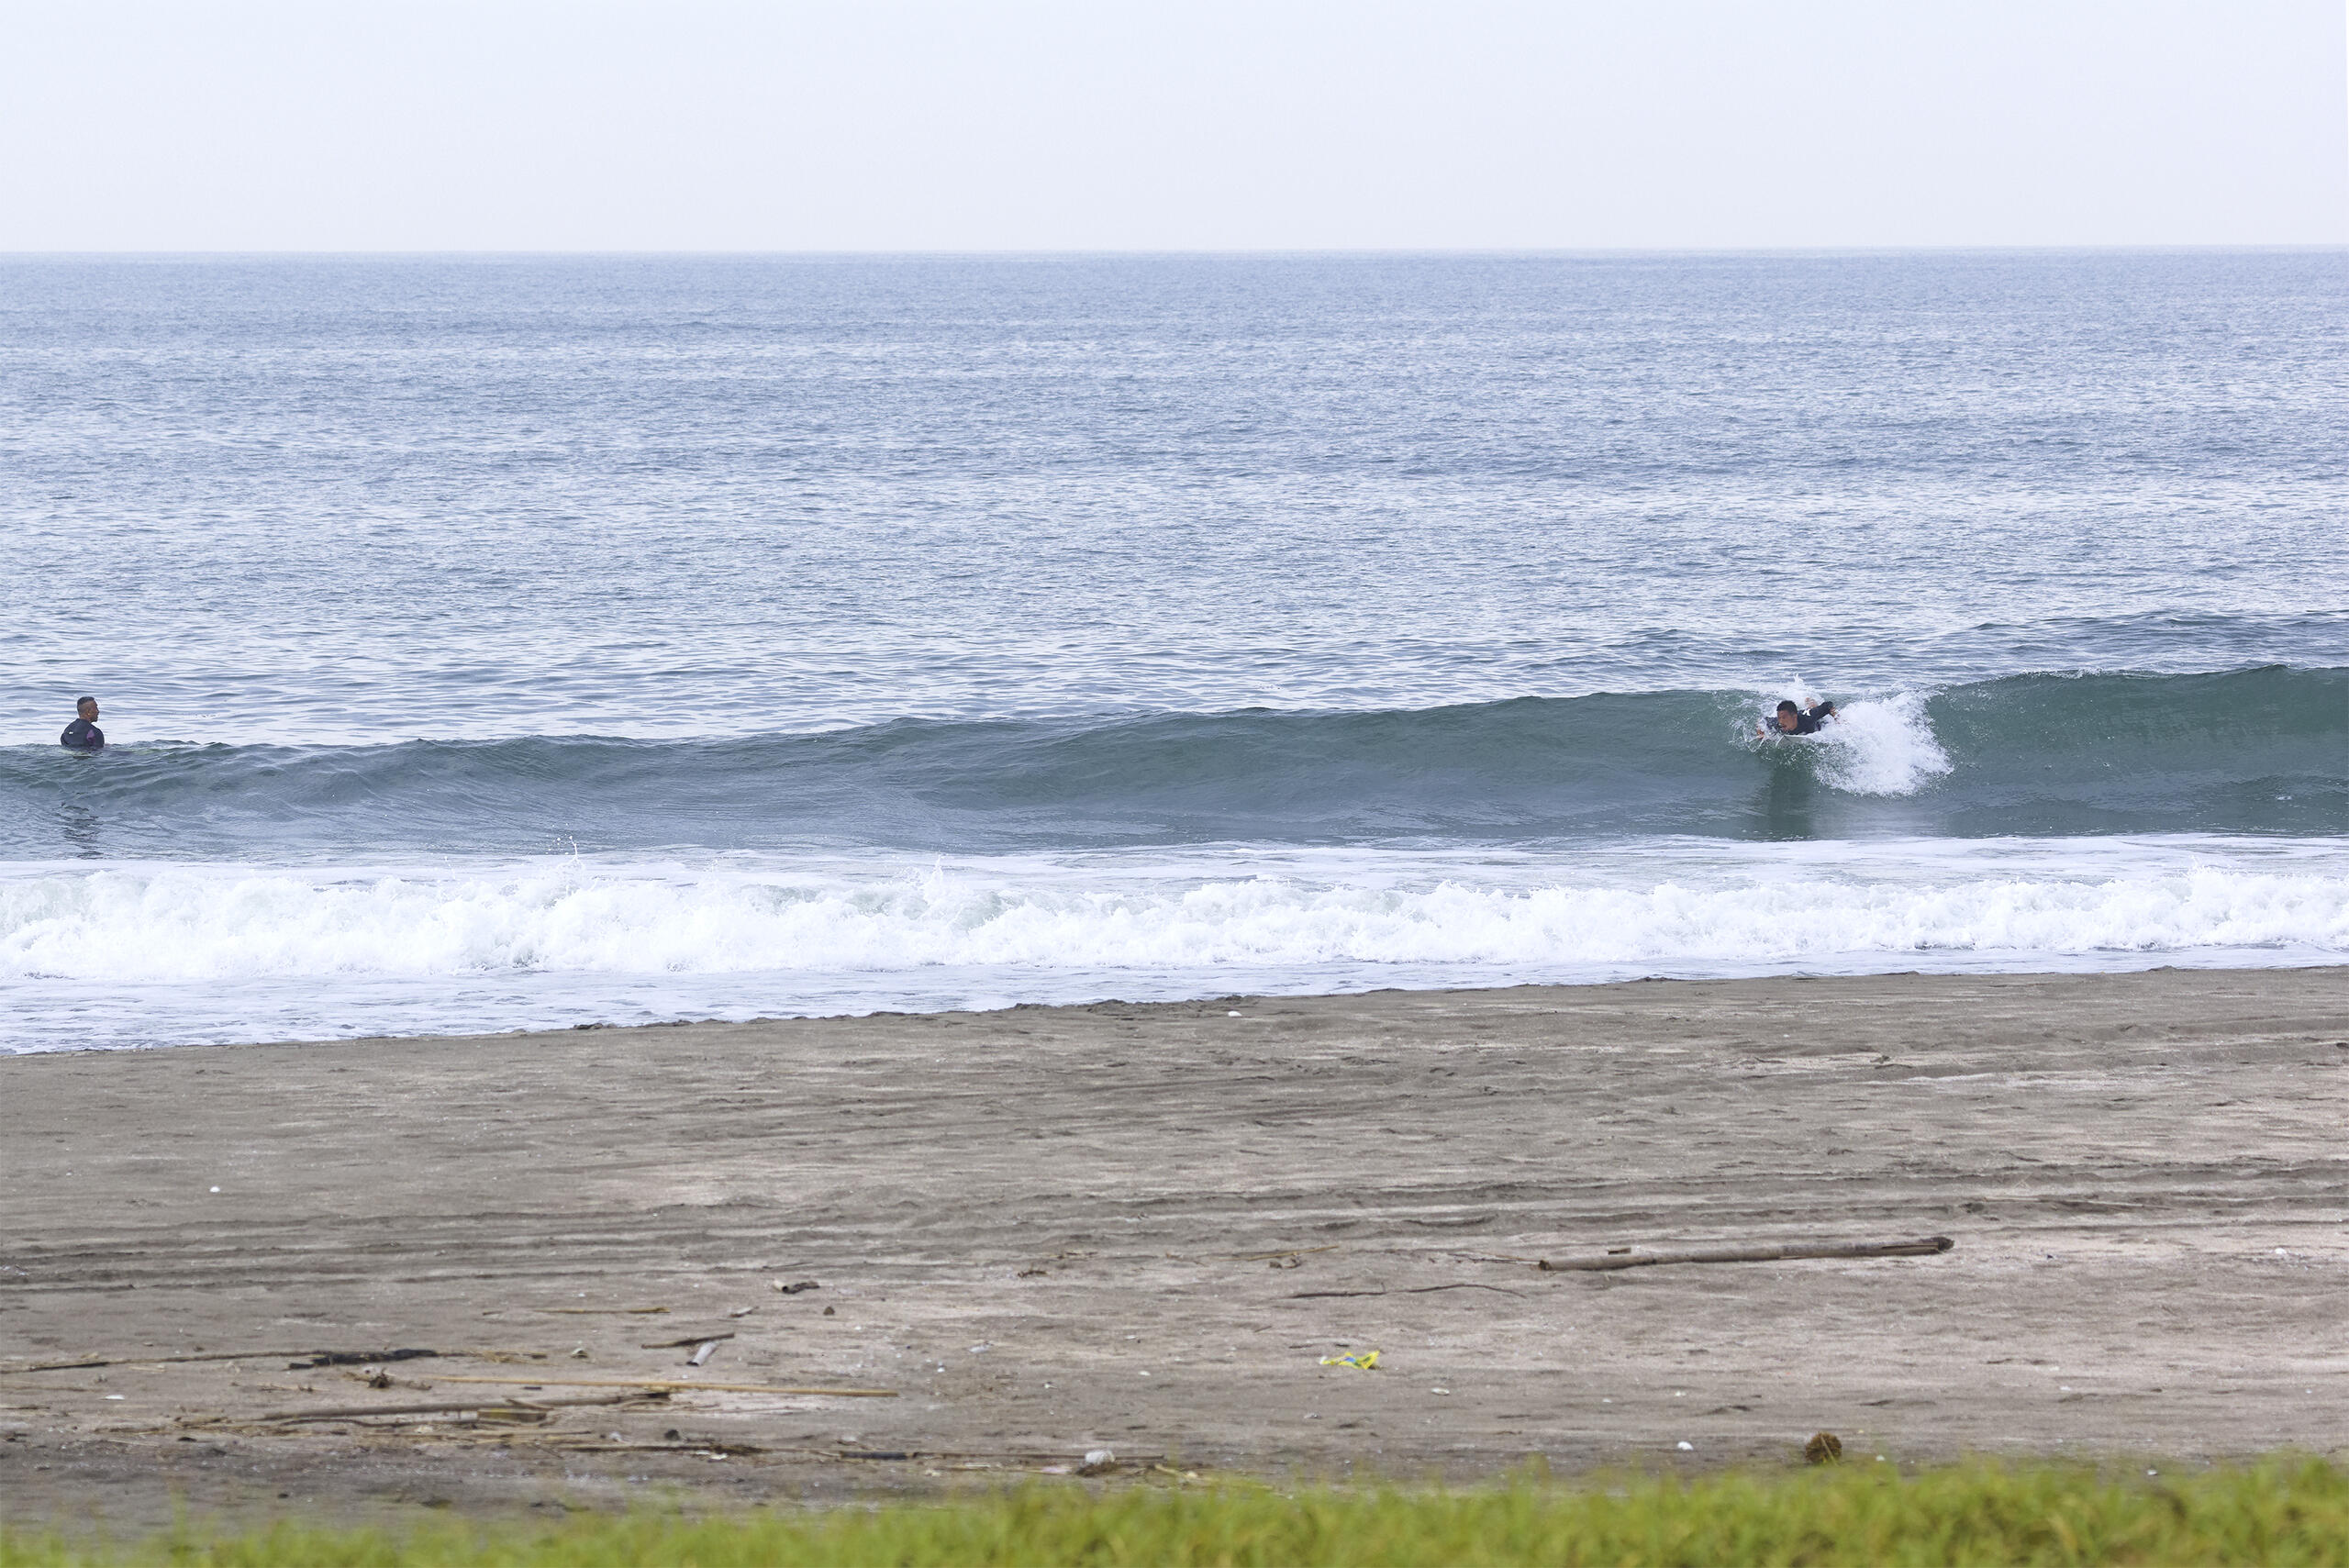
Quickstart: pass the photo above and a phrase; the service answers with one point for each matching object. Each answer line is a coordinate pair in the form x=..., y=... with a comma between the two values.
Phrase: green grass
x=2284, y=1511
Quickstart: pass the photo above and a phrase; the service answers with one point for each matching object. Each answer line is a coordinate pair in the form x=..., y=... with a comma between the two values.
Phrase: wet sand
x=1049, y=1230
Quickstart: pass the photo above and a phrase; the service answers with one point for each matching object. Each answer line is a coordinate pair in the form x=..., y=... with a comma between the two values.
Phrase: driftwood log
x=671, y=1385
x=1915, y=1247
x=313, y=1358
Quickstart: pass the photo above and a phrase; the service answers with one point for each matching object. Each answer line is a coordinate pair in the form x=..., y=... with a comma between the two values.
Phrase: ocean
x=520, y=642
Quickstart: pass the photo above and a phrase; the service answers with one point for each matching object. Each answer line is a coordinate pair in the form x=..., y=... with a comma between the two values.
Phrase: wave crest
x=2248, y=751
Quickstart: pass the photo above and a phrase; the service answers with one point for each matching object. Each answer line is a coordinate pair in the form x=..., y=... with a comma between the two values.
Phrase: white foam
x=391, y=948
x=1882, y=746
x=1873, y=745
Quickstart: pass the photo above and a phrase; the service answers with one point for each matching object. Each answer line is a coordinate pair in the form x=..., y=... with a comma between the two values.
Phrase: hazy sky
x=1052, y=124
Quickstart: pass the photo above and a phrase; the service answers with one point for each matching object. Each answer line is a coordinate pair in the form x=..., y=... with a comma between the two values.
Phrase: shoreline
x=2054, y=966
x=1141, y=1225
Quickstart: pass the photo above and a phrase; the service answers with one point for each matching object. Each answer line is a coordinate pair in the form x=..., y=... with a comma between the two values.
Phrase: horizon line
x=1236, y=252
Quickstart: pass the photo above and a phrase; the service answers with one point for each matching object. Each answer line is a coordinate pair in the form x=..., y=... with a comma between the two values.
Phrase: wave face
x=2257, y=751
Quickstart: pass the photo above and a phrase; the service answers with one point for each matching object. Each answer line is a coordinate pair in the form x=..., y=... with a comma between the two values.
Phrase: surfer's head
x=1789, y=715
x=87, y=707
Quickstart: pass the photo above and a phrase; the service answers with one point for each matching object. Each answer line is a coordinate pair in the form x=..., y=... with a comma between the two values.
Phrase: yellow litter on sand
x=1361, y=1361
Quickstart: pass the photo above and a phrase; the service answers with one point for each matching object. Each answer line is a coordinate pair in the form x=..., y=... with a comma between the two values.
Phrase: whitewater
x=88, y=954
x=518, y=644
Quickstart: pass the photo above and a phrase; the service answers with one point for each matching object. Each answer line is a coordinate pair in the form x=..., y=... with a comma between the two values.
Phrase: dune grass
x=2283, y=1511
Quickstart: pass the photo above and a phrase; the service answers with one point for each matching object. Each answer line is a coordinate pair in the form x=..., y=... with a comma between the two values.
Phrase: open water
x=506, y=642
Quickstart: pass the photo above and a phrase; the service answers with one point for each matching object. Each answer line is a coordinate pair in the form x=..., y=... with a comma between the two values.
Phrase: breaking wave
x=168, y=952
x=186, y=924
x=2257, y=751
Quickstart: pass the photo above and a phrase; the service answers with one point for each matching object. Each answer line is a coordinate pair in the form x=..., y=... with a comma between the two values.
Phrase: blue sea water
x=502, y=642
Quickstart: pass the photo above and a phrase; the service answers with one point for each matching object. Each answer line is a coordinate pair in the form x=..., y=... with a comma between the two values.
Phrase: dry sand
x=1053, y=1230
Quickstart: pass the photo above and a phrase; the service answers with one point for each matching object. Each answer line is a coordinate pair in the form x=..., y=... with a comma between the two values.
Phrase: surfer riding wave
x=1792, y=720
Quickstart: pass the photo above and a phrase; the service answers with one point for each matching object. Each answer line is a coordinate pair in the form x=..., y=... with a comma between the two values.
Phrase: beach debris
x=1412, y=1290
x=688, y=1342
x=1032, y=1274
x=317, y=1358
x=782, y=1289
x=463, y=1412
x=579, y=1354
x=674, y=1385
x=606, y=1311
x=703, y=1352
x=1361, y=1361
x=741, y=1312
x=1824, y=1448
x=1686, y=1447
x=504, y=1410
x=1099, y=1461
x=1276, y=1255
x=355, y=1358
x=828, y=1312
x=1625, y=1258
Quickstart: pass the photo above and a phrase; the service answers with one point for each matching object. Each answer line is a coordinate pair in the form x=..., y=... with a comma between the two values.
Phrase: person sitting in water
x=83, y=734
x=1793, y=720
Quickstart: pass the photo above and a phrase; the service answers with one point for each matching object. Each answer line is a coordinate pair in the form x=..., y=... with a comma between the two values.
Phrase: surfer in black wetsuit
x=83, y=734
x=1793, y=720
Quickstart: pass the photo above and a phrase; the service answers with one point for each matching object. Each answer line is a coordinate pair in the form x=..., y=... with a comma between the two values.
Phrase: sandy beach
x=1141, y=1228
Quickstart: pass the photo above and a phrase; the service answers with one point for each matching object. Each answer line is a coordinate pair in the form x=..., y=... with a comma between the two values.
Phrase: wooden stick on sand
x=674, y=1385
x=1919, y=1247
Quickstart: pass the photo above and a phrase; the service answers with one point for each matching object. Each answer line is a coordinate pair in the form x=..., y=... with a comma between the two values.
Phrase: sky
x=1055, y=125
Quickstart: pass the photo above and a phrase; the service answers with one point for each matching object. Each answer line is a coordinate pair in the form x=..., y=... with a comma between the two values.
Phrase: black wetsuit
x=82, y=736
x=1807, y=722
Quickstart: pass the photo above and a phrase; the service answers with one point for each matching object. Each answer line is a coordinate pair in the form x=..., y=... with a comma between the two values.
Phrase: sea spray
x=1882, y=747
